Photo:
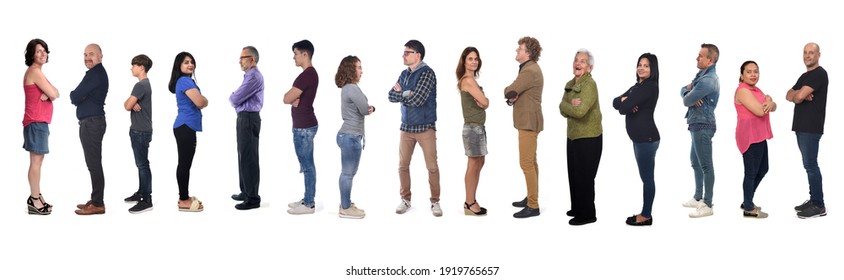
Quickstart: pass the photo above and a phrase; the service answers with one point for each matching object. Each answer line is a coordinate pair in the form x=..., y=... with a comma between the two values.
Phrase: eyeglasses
x=245, y=56
x=406, y=53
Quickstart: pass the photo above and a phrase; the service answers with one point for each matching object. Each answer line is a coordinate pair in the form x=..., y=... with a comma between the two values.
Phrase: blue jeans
x=645, y=153
x=303, y=141
x=351, y=147
x=140, y=147
x=809, y=144
x=755, y=168
x=701, y=157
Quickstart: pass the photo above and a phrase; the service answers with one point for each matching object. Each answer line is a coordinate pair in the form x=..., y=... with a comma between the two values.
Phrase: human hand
x=699, y=103
x=810, y=97
x=635, y=109
x=295, y=103
x=371, y=109
x=575, y=102
x=689, y=87
x=44, y=97
x=136, y=108
x=397, y=87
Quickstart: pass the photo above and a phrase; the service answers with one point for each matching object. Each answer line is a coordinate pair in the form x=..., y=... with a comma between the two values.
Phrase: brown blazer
x=527, y=111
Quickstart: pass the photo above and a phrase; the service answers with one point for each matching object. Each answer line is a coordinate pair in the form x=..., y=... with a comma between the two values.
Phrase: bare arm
x=130, y=103
x=41, y=81
x=292, y=95
x=798, y=96
x=471, y=86
x=746, y=99
x=200, y=101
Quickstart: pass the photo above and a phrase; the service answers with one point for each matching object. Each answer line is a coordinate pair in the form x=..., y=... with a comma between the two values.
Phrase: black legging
x=186, y=144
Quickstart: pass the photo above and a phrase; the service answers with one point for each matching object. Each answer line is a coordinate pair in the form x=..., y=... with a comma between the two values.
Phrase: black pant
x=583, y=157
x=91, y=131
x=248, y=130
x=186, y=145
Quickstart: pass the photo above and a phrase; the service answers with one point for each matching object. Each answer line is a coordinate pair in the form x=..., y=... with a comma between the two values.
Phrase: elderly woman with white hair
x=584, y=138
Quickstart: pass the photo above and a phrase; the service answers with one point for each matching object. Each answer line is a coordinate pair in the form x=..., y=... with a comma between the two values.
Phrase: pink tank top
x=36, y=110
x=751, y=129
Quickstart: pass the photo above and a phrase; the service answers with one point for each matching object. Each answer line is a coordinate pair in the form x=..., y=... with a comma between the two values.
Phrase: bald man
x=89, y=98
x=809, y=98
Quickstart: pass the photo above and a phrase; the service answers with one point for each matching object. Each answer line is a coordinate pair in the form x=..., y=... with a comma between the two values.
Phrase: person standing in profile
x=474, y=104
x=700, y=98
x=354, y=107
x=89, y=98
x=525, y=95
x=247, y=101
x=189, y=101
x=637, y=105
x=39, y=94
x=139, y=105
x=809, y=98
x=301, y=98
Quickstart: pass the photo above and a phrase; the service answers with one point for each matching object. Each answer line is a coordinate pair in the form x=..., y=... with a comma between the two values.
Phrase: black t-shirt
x=809, y=116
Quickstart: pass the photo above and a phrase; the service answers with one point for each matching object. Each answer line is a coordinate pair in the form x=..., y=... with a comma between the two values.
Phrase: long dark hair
x=461, y=65
x=654, y=66
x=177, y=70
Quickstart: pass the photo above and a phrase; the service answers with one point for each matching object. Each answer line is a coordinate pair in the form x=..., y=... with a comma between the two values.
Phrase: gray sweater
x=353, y=107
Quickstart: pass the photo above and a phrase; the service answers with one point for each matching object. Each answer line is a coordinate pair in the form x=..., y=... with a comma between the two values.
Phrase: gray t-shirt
x=353, y=107
x=142, y=121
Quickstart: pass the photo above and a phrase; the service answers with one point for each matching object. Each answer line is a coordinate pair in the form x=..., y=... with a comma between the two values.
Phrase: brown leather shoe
x=91, y=209
x=82, y=206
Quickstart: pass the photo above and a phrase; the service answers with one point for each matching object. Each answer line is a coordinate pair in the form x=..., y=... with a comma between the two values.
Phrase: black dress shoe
x=632, y=221
x=570, y=213
x=526, y=213
x=247, y=205
x=239, y=197
x=580, y=222
x=520, y=204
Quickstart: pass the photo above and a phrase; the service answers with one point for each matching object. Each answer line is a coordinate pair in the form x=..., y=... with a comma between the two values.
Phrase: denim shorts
x=35, y=138
x=474, y=140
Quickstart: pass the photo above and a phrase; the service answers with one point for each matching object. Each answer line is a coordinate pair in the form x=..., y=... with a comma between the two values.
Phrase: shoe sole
x=700, y=216
x=813, y=216
x=468, y=212
x=402, y=211
x=141, y=211
x=351, y=216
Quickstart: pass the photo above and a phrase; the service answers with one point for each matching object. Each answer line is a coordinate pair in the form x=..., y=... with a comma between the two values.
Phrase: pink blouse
x=751, y=129
x=36, y=110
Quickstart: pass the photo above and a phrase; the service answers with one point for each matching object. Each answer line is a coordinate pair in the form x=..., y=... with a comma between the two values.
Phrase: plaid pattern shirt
x=416, y=98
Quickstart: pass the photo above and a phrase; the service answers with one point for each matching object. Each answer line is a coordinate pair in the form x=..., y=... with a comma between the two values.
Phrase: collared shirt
x=249, y=97
x=416, y=96
x=89, y=96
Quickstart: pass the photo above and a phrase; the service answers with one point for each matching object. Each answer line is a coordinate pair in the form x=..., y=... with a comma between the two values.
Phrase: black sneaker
x=803, y=206
x=135, y=197
x=142, y=206
x=812, y=211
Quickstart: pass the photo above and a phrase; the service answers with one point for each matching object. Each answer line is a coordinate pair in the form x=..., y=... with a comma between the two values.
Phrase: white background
x=224, y=243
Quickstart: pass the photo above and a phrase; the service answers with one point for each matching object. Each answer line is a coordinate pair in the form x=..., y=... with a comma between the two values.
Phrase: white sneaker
x=435, y=208
x=403, y=206
x=693, y=203
x=353, y=212
x=296, y=203
x=301, y=209
x=701, y=211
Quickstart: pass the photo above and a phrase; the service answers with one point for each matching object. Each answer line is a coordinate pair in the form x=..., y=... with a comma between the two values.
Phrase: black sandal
x=467, y=209
x=45, y=209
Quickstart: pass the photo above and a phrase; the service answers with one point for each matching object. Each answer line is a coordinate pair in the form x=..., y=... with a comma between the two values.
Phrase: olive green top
x=471, y=112
x=584, y=121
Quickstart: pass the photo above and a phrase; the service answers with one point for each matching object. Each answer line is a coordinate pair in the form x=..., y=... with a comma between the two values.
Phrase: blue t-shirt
x=189, y=114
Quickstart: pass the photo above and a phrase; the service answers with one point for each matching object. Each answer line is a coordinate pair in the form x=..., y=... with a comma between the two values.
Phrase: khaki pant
x=428, y=141
x=527, y=160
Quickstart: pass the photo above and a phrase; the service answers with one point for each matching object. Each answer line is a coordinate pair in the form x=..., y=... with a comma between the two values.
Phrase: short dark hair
x=346, y=72
x=142, y=60
x=304, y=46
x=713, y=52
x=252, y=51
x=416, y=46
x=29, y=56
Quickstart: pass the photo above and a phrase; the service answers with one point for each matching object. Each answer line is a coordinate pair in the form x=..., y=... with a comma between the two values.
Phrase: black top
x=89, y=97
x=642, y=99
x=809, y=116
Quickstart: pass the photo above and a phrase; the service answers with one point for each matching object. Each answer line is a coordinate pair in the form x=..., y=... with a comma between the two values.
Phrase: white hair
x=589, y=54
